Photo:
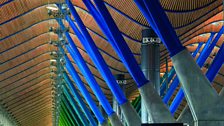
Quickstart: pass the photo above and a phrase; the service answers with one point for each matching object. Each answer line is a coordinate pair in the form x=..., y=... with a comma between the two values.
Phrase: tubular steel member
x=83, y=120
x=82, y=88
x=91, y=81
x=102, y=111
x=70, y=112
x=70, y=102
x=190, y=75
x=107, y=108
x=166, y=75
x=120, y=46
x=84, y=91
x=163, y=88
x=101, y=65
x=78, y=98
x=70, y=119
x=198, y=49
x=77, y=57
x=216, y=64
x=83, y=67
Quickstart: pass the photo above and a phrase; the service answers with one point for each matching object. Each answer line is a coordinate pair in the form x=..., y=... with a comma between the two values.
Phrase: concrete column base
x=186, y=116
x=144, y=114
x=209, y=123
x=157, y=110
x=192, y=80
x=204, y=102
x=115, y=121
x=221, y=93
x=130, y=115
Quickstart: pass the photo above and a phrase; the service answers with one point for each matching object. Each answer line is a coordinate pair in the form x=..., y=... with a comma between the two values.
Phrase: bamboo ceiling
x=25, y=68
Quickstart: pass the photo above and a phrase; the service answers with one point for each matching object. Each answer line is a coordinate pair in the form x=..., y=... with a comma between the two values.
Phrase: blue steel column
x=150, y=65
x=190, y=75
x=84, y=92
x=91, y=81
x=88, y=75
x=167, y=75
x=86, y=72
x=216, y=64
x=94, y=53
x=74, y=106
x=101, y=65
x=82, y=88
x=108, y=26
x=101, y=109
x=163, y=87
x=71, y=111
x=79, y=100
x=108, y=107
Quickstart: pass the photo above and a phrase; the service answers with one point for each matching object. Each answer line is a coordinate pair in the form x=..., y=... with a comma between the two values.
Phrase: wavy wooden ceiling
x=25, y=79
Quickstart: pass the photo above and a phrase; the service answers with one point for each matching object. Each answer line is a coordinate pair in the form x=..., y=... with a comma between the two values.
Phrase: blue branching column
x=101, y=65
x=146, y=88
x=190, y=75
